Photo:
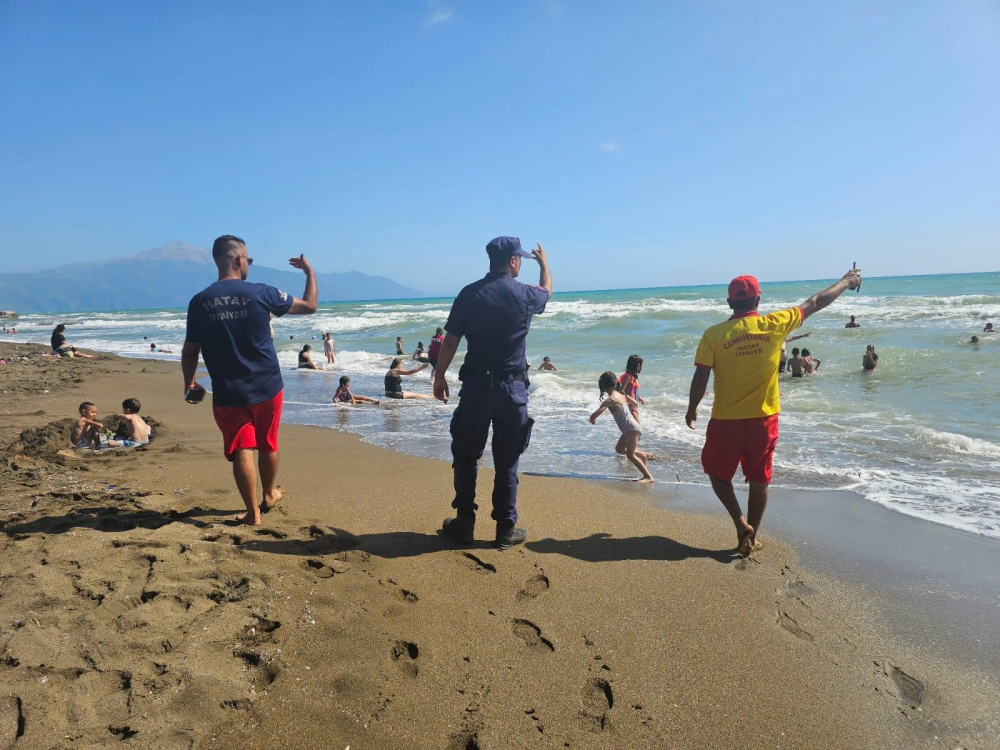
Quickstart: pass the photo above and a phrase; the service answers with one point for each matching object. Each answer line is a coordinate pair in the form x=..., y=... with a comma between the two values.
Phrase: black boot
x=510, y=537
x=460, y=530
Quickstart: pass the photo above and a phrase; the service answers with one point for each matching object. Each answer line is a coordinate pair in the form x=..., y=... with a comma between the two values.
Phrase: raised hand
x=300, y=263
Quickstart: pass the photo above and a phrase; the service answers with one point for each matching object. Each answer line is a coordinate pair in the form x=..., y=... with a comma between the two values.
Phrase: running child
x=620, y=406
x=344, y=395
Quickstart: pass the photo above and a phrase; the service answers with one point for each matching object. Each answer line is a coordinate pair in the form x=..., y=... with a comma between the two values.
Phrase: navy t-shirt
x=494, y=314
x=230, y=321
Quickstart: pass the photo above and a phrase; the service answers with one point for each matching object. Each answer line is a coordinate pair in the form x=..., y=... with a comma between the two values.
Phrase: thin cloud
x=611, y=147
x=438, y=16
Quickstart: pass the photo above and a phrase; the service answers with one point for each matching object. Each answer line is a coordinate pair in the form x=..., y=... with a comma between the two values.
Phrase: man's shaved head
x=222, y=247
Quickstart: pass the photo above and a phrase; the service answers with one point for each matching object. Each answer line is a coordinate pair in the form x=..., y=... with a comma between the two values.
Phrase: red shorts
x=253, y=427
x=740, y=442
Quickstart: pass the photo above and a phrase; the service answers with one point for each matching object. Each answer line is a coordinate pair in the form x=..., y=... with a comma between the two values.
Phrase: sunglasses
x=249, y=259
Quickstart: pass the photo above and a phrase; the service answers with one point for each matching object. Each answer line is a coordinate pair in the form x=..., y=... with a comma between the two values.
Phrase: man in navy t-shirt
x=228, y=323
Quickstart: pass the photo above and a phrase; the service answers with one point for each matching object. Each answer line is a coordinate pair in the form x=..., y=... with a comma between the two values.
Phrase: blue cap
x=506, y=247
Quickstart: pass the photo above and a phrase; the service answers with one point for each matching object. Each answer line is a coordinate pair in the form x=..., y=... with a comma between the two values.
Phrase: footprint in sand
x=11, y=720
x=327, y=569
x=531, y=634
x=406, y=654
x=477, y=564
x=404, y=594
x=598, y=699
x=533, y=587
x=907, y=688
x=792, y=626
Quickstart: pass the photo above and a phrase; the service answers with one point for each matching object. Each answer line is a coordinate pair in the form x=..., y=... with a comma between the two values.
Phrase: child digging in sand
x=86, y=431
x=136, y=429
x=621, y=406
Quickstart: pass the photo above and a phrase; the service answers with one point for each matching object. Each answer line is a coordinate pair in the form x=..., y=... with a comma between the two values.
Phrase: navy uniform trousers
x=505, y=406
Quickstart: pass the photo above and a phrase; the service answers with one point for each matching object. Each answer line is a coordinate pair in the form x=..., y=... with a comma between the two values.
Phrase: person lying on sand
x=136, y=430
x=86, y=431
x=344, y=395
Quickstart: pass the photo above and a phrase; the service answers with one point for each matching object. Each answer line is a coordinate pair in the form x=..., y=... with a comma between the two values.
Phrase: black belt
x=489, y=378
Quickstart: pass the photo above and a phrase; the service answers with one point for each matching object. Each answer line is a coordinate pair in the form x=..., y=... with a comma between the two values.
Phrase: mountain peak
x=177, y=250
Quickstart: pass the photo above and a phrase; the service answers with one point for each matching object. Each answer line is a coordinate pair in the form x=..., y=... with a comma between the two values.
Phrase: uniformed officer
x=494, y=314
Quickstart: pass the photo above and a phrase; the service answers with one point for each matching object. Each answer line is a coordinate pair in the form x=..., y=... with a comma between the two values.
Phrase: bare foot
x=745, y=541
x=270, y=502
x=644, y=480
x=249, y=520
x=757, y=546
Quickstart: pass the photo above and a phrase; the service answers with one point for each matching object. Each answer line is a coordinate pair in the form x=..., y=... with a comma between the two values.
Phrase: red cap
x=744, y=287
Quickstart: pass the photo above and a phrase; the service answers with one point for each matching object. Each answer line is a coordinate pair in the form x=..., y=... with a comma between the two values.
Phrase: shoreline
x=147, y=612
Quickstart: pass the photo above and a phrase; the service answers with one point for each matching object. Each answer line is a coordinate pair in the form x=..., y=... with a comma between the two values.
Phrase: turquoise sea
x=920, y=435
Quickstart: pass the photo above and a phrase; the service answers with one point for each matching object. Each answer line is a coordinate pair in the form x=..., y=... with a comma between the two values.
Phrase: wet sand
x=133, y=609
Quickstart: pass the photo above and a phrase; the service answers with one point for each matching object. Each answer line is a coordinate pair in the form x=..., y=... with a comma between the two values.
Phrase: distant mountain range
x=166, y=276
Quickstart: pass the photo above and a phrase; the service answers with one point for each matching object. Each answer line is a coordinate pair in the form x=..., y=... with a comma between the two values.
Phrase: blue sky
x=643, y=144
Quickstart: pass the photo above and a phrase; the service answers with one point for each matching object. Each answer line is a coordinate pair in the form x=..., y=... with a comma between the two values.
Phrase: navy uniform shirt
x=494, y=314
x=230, y=321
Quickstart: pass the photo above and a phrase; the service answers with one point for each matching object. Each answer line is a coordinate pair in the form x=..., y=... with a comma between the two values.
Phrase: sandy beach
x=134, y=609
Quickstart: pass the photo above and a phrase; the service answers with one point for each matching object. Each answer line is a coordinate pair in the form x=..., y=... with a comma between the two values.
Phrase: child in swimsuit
x=329, y=349
x=620, y=406
x=344, y=395
x=630, y=382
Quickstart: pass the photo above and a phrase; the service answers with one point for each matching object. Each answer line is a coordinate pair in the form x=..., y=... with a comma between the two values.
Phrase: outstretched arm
x=801, y=336
x=600, y=410
x=850, y=280
x=699, y=384
x=306, y=305
x=414, y=371
x=544, y=276
x=448, y=348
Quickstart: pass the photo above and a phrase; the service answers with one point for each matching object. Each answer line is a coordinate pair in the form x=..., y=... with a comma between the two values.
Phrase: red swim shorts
x=740, y=442
x=254, y=427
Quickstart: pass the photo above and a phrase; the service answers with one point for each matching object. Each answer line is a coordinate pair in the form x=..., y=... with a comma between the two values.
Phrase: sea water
x=919, y=435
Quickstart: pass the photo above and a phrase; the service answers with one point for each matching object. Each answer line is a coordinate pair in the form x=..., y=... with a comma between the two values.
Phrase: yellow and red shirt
x=744, y=352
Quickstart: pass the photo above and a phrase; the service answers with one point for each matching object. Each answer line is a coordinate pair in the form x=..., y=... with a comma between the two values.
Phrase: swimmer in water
x=547, y=365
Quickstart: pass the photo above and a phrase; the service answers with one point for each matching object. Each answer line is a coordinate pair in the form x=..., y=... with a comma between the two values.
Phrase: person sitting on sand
x=305, y=359
x=620, y=406
x=547, y=365
x=796, y=364
x=394, y=380
x=870, y=361
x=136, y=430
x=809, y=363
x=329, y=349
x=988, y=328
x=852, y=323
x=86, y=431
x=62, y=347
x=343, y=394
x=399, y=346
